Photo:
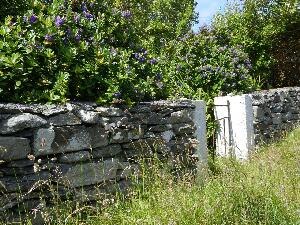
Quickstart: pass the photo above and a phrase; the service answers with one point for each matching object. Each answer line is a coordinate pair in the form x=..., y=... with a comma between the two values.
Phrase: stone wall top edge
x=52, y=109
x=272, y=91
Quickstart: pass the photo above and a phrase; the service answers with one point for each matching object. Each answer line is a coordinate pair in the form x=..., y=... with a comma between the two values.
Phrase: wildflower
x=136, y=55
x=83, y=7
x=126, y=14
x=153, y=61
x=142, y=59
x=65, y=40
x=68, y=32
x=25, y=19
x=77, y=18
x=59, y=21
x=33, y=19
x=77, y=37
x=117, y=95
x=49, y=38
x=88, y=16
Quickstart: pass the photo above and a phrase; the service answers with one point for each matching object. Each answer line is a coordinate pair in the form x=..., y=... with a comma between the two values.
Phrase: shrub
x=255, y=25
x=80, y=50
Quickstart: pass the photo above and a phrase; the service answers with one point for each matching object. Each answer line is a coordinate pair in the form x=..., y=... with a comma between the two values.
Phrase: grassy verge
x=263, y=190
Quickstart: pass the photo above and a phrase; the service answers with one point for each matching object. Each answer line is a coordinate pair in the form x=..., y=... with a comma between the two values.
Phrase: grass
x=263, y=190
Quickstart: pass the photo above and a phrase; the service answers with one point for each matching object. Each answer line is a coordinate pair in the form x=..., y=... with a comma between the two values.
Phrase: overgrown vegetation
x=259, y=26
x=111, y=51
x=263, y=190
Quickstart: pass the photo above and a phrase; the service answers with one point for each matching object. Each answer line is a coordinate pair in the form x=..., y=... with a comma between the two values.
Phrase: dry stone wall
x=84, y=148
x=247, y=121
x=275, y=111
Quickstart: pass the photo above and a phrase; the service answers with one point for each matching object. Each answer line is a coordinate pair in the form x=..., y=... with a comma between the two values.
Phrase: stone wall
x=87, y=149
x=248, y=121
x=275, y=111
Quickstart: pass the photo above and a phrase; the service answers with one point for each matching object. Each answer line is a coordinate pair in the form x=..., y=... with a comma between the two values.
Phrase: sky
x=206, y=10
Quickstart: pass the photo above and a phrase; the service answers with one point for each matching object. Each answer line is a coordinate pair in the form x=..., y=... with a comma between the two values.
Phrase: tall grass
x=263, y=190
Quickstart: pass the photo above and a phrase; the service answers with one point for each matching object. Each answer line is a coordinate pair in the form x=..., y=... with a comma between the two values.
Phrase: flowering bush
x=106, y=51
x=257, y=26
x=84, y=50
x=202, y=67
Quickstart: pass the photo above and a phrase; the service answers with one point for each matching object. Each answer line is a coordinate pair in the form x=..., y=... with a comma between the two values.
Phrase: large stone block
x=64, y=119
x=107, y=151
x=20, y=122
x=92, y=173
x=73, y=157
x=14, y=148
x=183, y=116
x=61, y=139
x=98, y=135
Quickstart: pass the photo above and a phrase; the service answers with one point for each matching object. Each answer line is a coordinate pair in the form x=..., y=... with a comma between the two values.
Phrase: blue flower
x=142, y=59
x=88, y=16
x=153, y=61
x=59, y=21
x=127, y=14
x=33, y=19
x=68, y=32
x=83, y=7
x=65, y=40
x=49, y=38
x=25, y=19
x=117, y=95
x=77, y=37
x=136, y=55
x=77, y=18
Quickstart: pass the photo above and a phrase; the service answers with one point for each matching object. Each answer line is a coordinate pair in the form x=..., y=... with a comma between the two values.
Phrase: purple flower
x=68, y=32
x=153, y=61
x=25, y=19
x=127, y=14
x=65, y=40
x=83, y=7
x=117, y=95
x=49, y=38
x=92, y=4
x=142, y=59
x=77, y=18
x=33, y=19
x=88, y=16
x=39, y=47
x=136, y=55
x=248, y=64
x=77, y=37
x=59, y=21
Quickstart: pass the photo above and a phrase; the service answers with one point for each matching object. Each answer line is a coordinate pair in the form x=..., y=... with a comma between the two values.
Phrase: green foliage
x=94, y=50
x=255, y=25
x=115, y=51
x=13, y=7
